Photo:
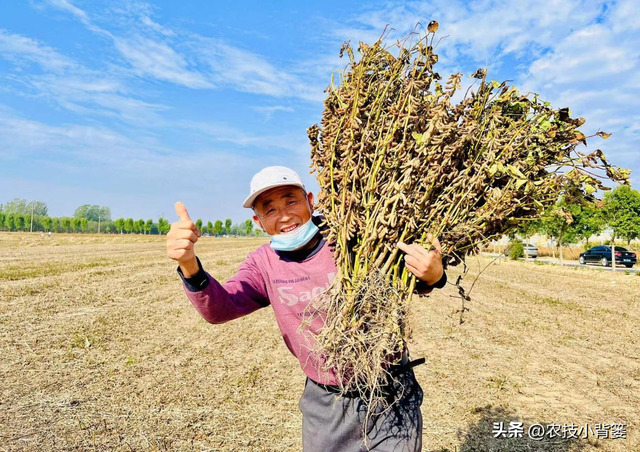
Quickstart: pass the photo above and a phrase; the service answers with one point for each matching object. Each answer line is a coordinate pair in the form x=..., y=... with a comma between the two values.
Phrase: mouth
x=289, y=228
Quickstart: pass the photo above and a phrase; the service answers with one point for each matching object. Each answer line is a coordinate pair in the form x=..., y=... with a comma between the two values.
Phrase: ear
x=256, y=220
x=310, y=199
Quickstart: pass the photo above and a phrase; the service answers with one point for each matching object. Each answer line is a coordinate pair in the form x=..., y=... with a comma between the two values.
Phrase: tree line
x=20, y=215
x=569, y=222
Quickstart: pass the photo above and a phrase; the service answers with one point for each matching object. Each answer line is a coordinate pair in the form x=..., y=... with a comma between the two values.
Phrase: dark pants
x=331, y=423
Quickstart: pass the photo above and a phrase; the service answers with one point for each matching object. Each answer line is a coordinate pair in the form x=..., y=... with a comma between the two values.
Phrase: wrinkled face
x=282, y=209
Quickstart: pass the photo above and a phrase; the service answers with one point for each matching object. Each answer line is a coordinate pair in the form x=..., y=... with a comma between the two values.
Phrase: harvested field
x=101, y=350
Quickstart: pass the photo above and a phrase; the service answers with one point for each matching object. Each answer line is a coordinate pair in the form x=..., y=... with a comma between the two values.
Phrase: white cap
x=270, y=177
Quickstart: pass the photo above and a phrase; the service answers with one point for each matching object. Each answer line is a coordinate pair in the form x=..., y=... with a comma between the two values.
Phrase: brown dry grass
x=100, y=350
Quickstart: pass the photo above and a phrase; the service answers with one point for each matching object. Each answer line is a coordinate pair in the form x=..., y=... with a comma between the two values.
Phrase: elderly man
x=294, y=268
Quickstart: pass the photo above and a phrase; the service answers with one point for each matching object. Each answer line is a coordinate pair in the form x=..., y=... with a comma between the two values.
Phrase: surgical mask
x=291, y=241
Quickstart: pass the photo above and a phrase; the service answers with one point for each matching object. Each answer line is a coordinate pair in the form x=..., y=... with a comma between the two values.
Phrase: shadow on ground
x=480, y=436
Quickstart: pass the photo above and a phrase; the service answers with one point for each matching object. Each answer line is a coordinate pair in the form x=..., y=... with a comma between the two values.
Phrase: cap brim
x=248, y=203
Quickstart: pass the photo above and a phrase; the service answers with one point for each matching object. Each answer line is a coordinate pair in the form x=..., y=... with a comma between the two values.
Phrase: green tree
x=227, y=225
x=17, y=205
x=75, y=224
x=19, y=222
x=82, y=211
x=199, y=224
x=128, y=225
x=621, y=212
x=3, y=217
x=104, y=213
x=248, y=226
x=527, y=229
x=47, y=223
x=93, y=212
x=37, y=209
x=210, y=227
x=21, y=206
x=55, y=224
x=9, y=222
x=588, y=221
x=148, y=226
x=217, y=228
x=119, y=224
x=65, y=224
x=557, y=223
x=163, y=225
x=84, y=225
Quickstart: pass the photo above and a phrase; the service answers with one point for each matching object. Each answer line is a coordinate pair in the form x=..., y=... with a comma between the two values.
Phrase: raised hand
x=181, y=241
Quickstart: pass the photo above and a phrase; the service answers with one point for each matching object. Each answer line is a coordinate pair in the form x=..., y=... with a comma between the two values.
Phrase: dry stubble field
x=101, y=350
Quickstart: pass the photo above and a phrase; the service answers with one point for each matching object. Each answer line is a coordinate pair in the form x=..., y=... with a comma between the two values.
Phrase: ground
x=101, y=350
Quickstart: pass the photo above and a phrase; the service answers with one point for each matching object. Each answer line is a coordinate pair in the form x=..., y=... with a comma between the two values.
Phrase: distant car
x=529, y=250
x=602, y=255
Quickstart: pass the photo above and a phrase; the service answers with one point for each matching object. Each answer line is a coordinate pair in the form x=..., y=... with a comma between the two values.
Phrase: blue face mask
x=291, y=241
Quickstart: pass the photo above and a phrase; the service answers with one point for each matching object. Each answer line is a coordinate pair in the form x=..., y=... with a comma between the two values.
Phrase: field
x=101, y=350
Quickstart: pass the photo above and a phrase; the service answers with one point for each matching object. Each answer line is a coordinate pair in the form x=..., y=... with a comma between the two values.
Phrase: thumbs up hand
x=181, y=240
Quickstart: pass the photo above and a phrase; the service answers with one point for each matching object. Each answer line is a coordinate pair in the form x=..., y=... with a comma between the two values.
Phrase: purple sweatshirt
x=287, y=282
x=267, y=277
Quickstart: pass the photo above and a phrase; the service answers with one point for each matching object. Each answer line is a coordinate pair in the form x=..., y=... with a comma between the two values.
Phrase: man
x=295, y=268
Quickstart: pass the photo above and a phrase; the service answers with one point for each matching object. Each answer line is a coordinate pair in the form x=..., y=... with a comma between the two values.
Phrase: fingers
x=418, y=250
x=414, y=250
x=182, y=244
x=412, y=261
x=185, y=220
x=413, y=270
x=181, y=210
x=187, y=234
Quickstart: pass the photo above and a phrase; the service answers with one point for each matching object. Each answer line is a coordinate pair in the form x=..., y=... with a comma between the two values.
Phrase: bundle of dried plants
x=396, y=159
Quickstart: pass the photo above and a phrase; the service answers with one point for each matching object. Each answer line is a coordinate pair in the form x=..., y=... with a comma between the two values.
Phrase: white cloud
x=67, y=6
x=269, y=111
x=72, y=85
x=172, y=58
x=146, y=20
x=20, y=50
x=594, y=53
x=293, y=142
x=246, y=71
x=158, y=60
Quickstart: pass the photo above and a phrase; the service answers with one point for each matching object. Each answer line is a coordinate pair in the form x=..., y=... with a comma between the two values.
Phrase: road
x=570, y=263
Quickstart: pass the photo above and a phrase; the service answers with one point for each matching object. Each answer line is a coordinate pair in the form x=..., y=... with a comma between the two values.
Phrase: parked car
x=602, y=255
x=530, y=250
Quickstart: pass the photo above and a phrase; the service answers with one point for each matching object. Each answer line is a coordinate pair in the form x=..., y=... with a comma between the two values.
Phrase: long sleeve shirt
x=292, y=283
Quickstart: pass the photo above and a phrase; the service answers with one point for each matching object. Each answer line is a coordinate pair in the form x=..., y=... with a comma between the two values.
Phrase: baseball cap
x=270, y=177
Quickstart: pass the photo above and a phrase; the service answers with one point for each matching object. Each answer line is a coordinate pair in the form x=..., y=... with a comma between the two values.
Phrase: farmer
x=295, y=268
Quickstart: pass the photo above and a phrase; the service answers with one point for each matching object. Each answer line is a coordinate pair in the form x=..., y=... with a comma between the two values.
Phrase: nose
x=284, y=216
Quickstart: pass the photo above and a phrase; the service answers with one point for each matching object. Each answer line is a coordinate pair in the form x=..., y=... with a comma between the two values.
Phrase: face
x=282, y=209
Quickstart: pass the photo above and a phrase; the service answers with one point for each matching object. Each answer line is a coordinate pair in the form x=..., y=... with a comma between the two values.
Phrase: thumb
x=181, y=210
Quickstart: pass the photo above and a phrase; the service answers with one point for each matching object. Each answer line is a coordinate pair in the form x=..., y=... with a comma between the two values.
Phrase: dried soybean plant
x=397, y=159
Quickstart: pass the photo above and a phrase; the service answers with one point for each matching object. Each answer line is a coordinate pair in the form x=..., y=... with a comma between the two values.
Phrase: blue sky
x=135, y=105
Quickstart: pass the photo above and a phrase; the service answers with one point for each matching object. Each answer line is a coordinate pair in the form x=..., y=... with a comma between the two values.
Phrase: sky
x=136, y=105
